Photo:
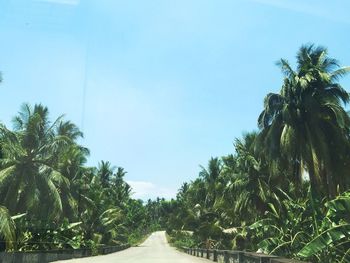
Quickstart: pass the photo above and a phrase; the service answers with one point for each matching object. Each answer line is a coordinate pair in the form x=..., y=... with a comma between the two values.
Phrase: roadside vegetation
x=50, y=199
x=285, y=188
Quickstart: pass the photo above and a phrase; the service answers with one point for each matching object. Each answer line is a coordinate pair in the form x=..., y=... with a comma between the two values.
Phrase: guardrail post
x=212, y=254
x=215, y=255
x=226, y=258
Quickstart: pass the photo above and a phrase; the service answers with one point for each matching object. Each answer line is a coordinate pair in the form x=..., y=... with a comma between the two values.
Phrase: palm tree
x=121, y=189
x=71, y=165
x=306, y=122
x=69, y=129
x=102, y=219
x=70, y=162
x=105, y=172
x=182, y=191
x=29, y=183
x=250, y=181
x=210, y=177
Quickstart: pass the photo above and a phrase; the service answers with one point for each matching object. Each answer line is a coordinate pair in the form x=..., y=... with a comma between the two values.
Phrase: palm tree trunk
x=330, y=185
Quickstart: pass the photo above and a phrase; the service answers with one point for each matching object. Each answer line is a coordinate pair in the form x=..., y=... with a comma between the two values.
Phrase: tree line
x=285, y=189
x=50, y=198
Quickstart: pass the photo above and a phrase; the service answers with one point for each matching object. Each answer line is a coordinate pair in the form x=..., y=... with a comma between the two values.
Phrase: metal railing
x=54, y=255
x=231, y=256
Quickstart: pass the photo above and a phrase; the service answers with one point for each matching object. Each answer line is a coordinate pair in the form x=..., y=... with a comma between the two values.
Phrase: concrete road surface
x=154, y=250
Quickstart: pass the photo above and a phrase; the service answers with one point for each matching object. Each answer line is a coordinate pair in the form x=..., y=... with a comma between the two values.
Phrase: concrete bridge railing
x=54, y=255
x=230, y=256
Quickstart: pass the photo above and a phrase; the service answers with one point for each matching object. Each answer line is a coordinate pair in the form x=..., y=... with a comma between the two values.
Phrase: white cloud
x=147, y=190
x=62, y=2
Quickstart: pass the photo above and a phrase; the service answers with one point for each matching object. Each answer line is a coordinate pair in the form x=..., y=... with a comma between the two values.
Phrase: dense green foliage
x=50, y=199
x=285, y=189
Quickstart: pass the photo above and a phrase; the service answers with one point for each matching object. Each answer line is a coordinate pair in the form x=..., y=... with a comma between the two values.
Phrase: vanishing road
x=154, y=250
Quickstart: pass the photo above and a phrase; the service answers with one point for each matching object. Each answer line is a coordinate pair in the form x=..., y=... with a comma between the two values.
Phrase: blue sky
x=168, y=83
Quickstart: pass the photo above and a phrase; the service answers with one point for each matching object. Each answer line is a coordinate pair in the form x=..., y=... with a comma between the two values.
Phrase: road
x=154, y=250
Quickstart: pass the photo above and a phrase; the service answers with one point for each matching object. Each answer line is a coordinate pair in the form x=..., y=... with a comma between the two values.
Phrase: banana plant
x=333, y=242
x=286, y=226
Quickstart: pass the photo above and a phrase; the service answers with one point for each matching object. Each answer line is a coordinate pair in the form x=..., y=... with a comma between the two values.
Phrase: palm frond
x=7, y=227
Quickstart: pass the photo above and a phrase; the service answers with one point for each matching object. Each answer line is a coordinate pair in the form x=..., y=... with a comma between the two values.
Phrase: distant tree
x=210, y=176
x=105, y=171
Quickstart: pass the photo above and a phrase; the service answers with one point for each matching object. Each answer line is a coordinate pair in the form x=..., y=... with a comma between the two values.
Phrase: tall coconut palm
x=182, y=191
x=70, y=162
x=306, y=121
x=119, y=176
x=100, y=216
x=29, y=183
x=7, y=226
x=210, y=177
x=105, y=172
x=226, y=198
x=71, y=165
x=121, y=189
x=250, y=183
